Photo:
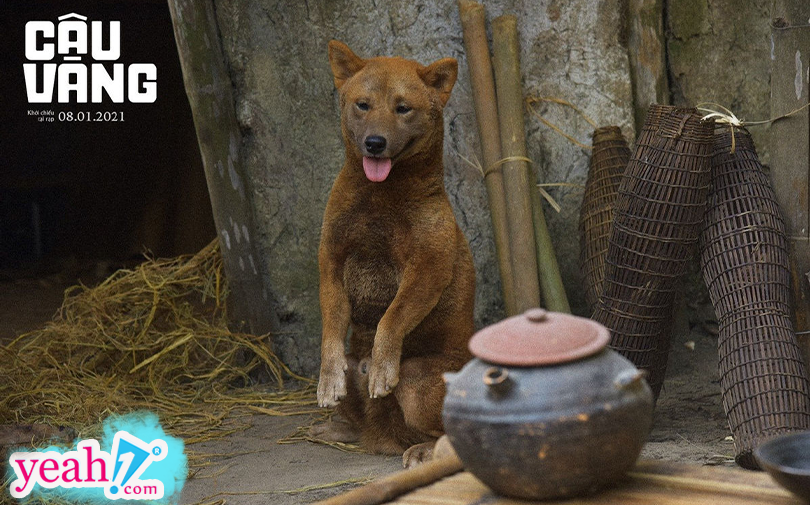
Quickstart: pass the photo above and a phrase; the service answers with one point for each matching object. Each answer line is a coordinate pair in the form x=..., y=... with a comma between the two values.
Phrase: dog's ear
x=344, y=62
x=442, y=76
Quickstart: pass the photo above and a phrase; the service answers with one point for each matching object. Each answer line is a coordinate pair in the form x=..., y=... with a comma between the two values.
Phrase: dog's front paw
x=332, y=385
x=383, y=376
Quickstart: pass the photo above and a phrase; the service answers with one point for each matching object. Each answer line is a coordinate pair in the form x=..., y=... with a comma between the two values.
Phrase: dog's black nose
x=375, y=144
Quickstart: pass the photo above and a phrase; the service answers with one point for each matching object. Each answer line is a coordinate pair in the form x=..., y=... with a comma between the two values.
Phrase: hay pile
x=151, y=338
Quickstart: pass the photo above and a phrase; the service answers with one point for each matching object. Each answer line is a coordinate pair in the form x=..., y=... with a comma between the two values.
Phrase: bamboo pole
x=516, y=178
x=486, y=114
x=551, y=284
x=388, y=488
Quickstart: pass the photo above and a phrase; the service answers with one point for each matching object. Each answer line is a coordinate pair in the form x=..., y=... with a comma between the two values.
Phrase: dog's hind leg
x=383, y=428
x=420, y=395
x=335, y=430
x=410, y=419
x=420, y=392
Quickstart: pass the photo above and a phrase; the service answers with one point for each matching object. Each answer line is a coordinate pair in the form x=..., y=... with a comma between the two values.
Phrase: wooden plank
x=790, y=144
x=731, y=475
x=651, y=483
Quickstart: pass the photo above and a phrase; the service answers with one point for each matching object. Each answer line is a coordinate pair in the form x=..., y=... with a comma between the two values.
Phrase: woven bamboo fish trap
x=608, y=160
x=745, y=263
x=656, y=225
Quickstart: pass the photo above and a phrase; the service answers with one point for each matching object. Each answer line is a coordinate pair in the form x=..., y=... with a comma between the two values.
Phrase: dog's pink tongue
x=376, y=169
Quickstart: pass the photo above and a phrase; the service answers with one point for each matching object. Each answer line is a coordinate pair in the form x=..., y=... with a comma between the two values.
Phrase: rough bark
x=790, y=146
x=646, y=46
x=209, y=91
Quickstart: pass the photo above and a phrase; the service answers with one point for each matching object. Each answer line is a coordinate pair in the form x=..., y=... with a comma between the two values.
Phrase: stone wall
x=720, y=51
x=291, y=148
x=604, y=56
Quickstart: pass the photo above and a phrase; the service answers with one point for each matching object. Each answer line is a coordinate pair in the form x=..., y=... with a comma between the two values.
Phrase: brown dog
x=394, y=264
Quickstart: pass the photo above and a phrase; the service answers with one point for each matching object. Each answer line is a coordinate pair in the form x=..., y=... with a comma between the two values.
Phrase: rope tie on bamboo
x=540, y=187
x=725, y=116
x=497, y=165
x=531, y=100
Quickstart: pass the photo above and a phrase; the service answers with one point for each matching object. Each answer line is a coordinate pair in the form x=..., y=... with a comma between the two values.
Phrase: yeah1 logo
x=70, y=41
x=117, y=472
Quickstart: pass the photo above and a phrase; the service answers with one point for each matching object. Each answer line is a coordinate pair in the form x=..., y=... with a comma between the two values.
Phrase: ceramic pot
x=545, y=410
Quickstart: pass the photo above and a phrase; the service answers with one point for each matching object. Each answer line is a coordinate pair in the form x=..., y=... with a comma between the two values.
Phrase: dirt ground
x=250, y=467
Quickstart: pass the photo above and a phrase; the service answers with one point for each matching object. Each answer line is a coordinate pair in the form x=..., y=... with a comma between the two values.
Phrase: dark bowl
x=787, y=459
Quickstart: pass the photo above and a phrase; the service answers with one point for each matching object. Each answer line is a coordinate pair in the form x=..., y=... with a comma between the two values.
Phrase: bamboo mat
x=651, y=482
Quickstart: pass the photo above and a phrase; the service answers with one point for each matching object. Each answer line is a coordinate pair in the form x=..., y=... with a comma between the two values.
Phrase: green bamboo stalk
x=551, y=284
x=516, y=178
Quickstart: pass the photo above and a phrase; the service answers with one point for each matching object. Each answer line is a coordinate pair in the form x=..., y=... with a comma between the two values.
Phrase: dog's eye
x=403, y=109
x=362, y=105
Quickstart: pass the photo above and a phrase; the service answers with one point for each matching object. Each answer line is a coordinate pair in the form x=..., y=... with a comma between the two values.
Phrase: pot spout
x=498, y=381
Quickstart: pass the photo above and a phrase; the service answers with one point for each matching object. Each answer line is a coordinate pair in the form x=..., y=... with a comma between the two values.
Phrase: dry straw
x=154, y=338
x=746, y=266
x=532, y=100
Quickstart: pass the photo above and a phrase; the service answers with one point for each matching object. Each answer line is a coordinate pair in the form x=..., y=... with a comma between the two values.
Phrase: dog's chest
x=367, y=241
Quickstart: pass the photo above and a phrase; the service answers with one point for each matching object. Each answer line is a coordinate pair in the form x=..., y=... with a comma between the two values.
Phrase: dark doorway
x=102, y=189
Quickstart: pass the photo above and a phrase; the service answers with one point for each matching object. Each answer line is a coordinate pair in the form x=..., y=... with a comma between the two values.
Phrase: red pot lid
x=538, y=337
